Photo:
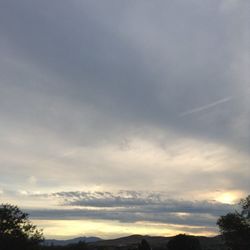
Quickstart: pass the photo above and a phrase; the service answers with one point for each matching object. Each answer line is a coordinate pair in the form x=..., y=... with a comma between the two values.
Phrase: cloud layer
x=144, y=96
x=132, y=207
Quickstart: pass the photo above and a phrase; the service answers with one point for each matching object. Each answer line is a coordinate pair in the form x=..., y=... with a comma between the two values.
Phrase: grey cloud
x=138, y=202
x=78, y=73
x=124, y=216
x=132, y=207
x=136, y=63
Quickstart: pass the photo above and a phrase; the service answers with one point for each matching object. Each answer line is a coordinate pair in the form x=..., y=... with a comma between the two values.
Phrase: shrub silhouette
x=184, y=242
x=16, y=231
x=144, y=245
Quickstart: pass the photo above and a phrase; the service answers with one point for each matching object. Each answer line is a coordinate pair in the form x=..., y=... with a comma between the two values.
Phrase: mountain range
x=157, y=242
x=54, y=242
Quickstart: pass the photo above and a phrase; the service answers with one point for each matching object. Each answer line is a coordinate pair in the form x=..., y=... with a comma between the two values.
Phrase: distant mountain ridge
x=134, y=240
x=54, y=242
x=157, y=242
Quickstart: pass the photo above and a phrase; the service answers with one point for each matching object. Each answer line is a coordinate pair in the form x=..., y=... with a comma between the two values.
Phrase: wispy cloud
x=205, y=107
x=140, y=201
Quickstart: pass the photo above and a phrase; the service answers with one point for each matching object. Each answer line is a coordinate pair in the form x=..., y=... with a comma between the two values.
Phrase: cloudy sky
x=121, y=117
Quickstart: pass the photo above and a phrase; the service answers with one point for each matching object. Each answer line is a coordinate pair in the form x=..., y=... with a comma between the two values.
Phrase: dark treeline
x=77, y=246
x=179, y=242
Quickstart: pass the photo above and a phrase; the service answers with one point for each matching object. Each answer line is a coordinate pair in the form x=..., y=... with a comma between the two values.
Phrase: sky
x=124, y=117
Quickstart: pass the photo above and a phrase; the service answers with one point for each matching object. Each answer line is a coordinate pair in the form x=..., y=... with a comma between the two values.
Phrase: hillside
x=156, y=242
x=54, y=242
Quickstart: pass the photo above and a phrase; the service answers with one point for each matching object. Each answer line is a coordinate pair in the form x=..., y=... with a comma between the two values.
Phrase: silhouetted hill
x=156, y=242
x=132, y=241
x=70, y=241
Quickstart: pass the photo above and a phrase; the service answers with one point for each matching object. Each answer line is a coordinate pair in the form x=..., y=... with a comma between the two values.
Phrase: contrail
x=205, y=107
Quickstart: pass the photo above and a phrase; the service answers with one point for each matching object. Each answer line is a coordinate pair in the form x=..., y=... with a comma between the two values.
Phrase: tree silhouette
x=144, y=245
x=16, y=231
x=184, y=242
x=235, y=227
